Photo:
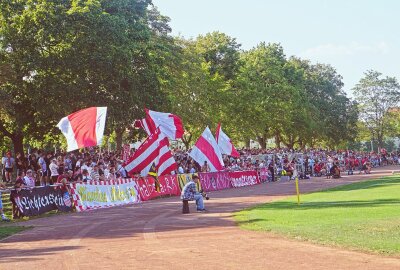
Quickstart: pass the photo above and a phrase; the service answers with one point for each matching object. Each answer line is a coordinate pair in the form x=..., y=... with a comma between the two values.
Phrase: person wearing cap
x=190, y=193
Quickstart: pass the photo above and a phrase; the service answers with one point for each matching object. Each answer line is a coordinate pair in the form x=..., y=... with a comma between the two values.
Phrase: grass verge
x=6, y=231
x=363, y=216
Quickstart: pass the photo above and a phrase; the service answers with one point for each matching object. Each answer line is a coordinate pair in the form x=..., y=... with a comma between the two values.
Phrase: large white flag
x=225, y=144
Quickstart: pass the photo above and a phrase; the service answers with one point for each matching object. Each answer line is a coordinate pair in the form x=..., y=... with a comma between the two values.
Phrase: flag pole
x=297, y=190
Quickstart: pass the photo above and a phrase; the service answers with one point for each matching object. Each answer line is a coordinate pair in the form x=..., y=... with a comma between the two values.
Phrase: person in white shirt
x=180, y=169
x=53, y=171
x=29, y=180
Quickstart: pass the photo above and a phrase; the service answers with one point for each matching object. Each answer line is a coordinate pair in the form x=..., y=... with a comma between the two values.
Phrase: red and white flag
x=84, y=128
x=146, y=123
x=154, y=150
x=165, y=163
x=206, y=149
x=225, y=143
x=169, y=124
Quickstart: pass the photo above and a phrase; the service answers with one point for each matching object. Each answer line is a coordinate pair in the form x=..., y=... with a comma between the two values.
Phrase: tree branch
x=4, y=130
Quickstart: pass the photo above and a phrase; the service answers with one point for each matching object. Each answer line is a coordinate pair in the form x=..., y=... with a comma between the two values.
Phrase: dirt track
x=155, y=235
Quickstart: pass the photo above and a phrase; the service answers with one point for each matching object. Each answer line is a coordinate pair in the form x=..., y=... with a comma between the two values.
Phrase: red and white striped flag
x=165, y=163
x=145, y=155
x=154, y=150
x=84, y=128
x=169, y=124
x=225, y=144
x=146, y=124
x=206, y=149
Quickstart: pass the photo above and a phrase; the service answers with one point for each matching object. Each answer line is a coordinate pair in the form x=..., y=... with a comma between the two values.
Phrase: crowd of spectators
x=39, y=168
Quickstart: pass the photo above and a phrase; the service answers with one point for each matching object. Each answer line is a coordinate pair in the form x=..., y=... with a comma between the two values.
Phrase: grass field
x=363, y=216
x=9, y=230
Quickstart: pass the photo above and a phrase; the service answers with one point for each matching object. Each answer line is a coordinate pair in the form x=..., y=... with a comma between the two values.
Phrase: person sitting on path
x=190, y=193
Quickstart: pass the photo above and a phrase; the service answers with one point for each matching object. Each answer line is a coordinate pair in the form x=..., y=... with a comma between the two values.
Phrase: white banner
x=101, y=194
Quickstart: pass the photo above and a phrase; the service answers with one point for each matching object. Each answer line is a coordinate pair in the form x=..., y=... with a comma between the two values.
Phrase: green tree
x=76, y=53
x=377, y=98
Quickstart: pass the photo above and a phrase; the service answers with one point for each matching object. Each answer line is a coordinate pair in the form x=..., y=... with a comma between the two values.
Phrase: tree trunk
x=186, y=141
x=18, y=143
x=118, y=139
x=262, y=141
x=277, y=140
x=247, y=143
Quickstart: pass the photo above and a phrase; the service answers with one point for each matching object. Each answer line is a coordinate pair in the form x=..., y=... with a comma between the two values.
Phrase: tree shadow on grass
x=285, y=205
x=385, y=182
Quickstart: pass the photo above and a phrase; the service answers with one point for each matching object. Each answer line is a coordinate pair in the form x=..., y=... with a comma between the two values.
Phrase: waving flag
x=153, y=151
x=165, y=163
x=145, y=155
x=169, y=124
x=146, y=123
x=206, y=149
x=225, y=144
x=84, y=128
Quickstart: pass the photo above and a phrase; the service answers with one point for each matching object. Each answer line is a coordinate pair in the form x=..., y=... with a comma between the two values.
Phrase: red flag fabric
x=206, y=149
x=165, y=163
x=154, y=150
x=225, y=143
x=147, y=124
x=84, y=128
x=169, y=124
x=145, y=155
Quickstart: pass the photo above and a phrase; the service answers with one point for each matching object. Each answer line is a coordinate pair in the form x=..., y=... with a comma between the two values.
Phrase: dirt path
x=155, y=235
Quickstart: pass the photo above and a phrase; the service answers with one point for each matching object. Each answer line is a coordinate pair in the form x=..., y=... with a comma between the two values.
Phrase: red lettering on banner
x=244, y=178
x=215, y=181
x=168, y=186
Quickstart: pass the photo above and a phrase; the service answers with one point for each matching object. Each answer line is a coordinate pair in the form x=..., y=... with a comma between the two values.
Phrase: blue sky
x=353, y=36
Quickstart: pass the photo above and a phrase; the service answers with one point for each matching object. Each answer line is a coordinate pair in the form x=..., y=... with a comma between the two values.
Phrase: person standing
x=8, y=163
x=205, y=167
x=271, y=169
x=54, y=171
x=43, y=169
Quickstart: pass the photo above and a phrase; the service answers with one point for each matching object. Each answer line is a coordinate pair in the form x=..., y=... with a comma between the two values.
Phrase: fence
x=103, y=194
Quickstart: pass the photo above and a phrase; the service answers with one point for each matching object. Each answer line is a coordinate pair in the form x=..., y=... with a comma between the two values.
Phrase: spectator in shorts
x=8, y=163
x=54, y=171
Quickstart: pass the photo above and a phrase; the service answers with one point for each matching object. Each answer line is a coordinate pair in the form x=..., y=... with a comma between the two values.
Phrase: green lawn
x=7, y=205
x=9, y=230
x=7, y=208
x=363, y=216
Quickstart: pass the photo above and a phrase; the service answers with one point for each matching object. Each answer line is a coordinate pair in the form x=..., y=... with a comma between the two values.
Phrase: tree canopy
x=57, y=57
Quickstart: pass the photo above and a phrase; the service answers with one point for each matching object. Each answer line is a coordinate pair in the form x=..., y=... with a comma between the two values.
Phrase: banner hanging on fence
x=214, y=181
x=102, y=194
x=183, y=179
x=150, y=187
x=244, y=178
x=37, y=201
